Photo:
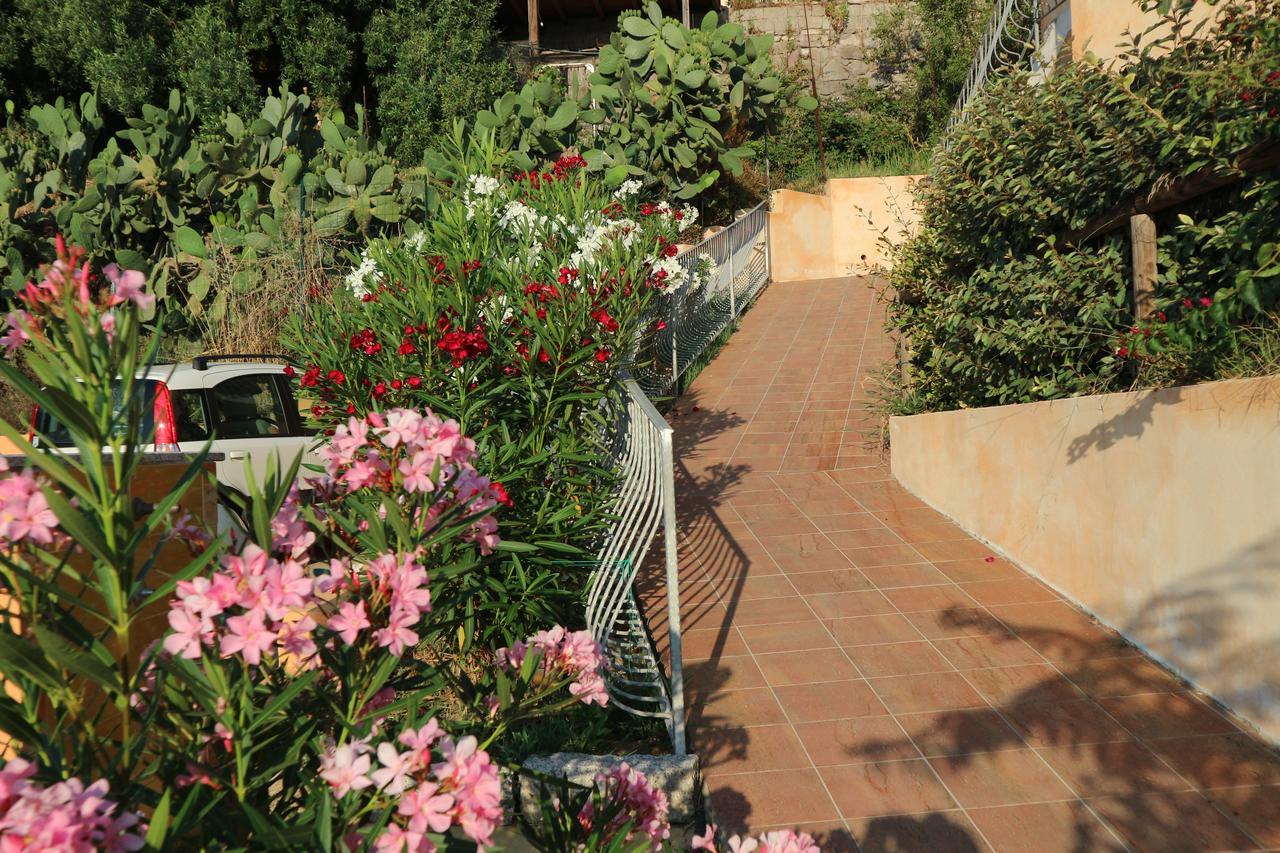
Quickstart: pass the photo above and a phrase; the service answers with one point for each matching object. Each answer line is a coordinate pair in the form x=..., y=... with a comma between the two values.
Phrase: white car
x=244, y=403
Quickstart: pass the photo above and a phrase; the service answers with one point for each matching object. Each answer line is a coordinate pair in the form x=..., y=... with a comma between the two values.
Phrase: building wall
x=1098, y=26
x=1156, y=510
x=838, y=234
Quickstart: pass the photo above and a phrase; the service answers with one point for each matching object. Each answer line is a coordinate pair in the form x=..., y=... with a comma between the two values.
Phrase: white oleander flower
x=688, y=215
x=676, y=277
x=417, y=242
x=521, y=219
x=628, y=188
x=483, y=185
x=358, y=280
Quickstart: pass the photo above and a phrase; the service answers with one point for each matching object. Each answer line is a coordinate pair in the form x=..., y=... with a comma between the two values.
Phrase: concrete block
x=676, y=776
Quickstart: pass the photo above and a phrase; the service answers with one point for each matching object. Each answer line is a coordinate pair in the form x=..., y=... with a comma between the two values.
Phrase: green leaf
x=188, y=240
x=634, y=25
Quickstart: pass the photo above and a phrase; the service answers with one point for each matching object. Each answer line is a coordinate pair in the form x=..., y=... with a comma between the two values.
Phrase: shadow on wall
x=1131, y=423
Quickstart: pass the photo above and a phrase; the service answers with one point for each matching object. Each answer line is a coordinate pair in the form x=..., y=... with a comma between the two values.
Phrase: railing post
x=673, y=592
x=733, y=299
x=675, y=349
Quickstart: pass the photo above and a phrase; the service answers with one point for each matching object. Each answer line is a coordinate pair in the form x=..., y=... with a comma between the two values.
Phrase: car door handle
x=237, y=454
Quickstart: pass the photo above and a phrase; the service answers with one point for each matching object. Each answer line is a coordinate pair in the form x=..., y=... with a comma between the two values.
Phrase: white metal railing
x=645, y=504
x=695, y=317
x=1012, y=36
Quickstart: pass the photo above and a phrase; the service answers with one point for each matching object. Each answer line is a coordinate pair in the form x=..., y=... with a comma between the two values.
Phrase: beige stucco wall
x=1098, y=26
x=826, y=236
x=1157, y=511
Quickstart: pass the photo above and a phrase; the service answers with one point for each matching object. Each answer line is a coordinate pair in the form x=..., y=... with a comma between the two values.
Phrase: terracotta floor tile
x=869, y=538
x=835, y=505
x=705, y=678
x=855, y=741
x=1113, y=769
x=807, y=667
x=750, y=749
x=822, y=561
x=941, y=597
x=845, y=521
x=999, y=778
x=897, y=659
x=842, y=605
x=885, y=788
x=1158, y=715
x=713, y=642
x=798, y=545
x=1171, y=823
x=959, y=732
x=870, y=630
x=1016, y=685
x=751, y=588
x=968, y=571
x=783, y=527
x=986, y=651
x=829, y=700
x=1255, y=809
x=1123, y=677
x=914, y=574
x=1009, y=591
x=941, y=691
x=962, y=549
x=934, y=832
x=793, y=637
x=956, y=622
x=1060, y=632
x=767, y=798
x=884, y=555
x=1073, y=723
x=758, y=513
x=1040, y=827
x=839, y=580
x=767, y=611
x=1221, y=761
x=736, y=708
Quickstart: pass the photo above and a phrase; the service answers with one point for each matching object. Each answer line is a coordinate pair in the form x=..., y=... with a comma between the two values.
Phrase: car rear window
x=58, y=434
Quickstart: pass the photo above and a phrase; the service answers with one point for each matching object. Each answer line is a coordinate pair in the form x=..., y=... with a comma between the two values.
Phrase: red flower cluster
x=606, y=322
x=366, y=341
x=567, y=275
x=559, y=170
x=462, y=345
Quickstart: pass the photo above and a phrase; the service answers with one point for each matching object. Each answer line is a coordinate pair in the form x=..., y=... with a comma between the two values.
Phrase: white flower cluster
x=358, y=280
x=594, y=237
x=628, y=189
x=417, y=241
x=676, y=277
x=483, y=185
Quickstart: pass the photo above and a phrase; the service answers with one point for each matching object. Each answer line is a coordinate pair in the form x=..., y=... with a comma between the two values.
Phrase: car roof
x=184, y=375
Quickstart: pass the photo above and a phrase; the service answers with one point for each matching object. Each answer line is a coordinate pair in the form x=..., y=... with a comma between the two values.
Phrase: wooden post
x=534, y=36
x=1142, y=231
x=684, y=14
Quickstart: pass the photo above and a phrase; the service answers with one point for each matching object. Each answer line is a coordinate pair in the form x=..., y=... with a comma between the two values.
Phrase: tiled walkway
x=858, y=666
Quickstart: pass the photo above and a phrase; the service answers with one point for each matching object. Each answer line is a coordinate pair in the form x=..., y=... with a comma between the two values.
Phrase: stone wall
x=840, y=48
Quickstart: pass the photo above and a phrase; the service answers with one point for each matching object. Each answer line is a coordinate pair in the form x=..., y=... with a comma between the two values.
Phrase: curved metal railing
x=1012, y=37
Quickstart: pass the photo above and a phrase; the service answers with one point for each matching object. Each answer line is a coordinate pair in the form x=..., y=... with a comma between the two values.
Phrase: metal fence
x=1011, y=38
x=694, y=317
x=645, y=505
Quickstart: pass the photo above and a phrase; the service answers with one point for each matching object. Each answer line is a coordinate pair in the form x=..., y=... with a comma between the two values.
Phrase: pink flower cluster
x=24, y=512
x=644, y=807
x=391, y=591
x=65, y=816
x=570, y=654
x=403, y=452
x=69, y=275
x=778, y=841
x=462, y=788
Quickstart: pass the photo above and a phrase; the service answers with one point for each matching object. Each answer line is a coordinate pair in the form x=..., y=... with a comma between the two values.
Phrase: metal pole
x=675, y=352
x=673, y=593
x=733, y=306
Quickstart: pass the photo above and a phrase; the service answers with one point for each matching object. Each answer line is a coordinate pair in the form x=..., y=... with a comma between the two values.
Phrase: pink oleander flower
x=346, y=768
x=570, y=654
x=248, y=636
x=24, y=512
x=65, y=816
x=645, y=807
x=397, y=839
x=349, y=621
x=778, y=841
x=472, y=779
x=128, y=286
x=394, y=777
x=427, y=809
x=16, y=332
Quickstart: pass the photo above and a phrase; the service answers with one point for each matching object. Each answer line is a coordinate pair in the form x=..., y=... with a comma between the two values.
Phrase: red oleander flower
x=406, y=347
x=337, y=377
x=602, y=354
x=1205, y=301
x=414, y=381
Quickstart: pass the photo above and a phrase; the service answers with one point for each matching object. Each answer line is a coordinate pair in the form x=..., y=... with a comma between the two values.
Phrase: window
x=188, y=412
x=248, y=407
x=60, y=436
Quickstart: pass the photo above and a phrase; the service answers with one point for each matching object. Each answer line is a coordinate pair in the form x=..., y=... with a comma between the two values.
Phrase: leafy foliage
x=161, y=197
x=996, y=308
x=668, y=105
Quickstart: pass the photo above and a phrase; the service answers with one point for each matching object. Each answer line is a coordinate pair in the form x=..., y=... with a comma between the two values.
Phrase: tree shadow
x=1131, y=423
x=1162, y=765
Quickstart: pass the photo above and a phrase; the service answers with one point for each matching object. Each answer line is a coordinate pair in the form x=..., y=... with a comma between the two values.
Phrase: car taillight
x=166, y=437
x=31, y=428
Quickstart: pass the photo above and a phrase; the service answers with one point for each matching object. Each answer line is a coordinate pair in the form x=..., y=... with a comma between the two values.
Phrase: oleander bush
x=515, y=311
x=998, y=302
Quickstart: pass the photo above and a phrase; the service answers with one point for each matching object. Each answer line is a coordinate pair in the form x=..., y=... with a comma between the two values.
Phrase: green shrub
x=997, y=308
